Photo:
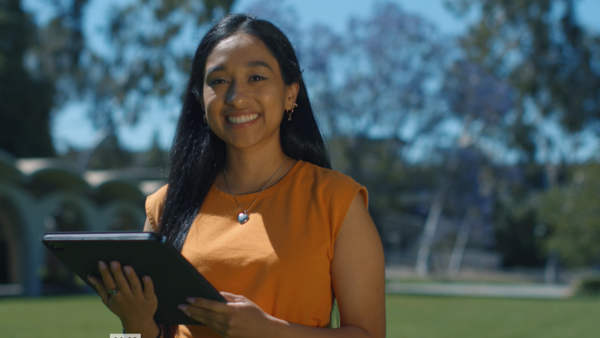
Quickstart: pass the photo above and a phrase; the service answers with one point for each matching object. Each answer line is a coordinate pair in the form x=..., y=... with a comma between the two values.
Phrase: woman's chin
x=251, y=140
x=243, y=141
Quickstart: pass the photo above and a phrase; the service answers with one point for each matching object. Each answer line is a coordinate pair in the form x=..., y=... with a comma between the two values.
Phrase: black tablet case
x=149, y=254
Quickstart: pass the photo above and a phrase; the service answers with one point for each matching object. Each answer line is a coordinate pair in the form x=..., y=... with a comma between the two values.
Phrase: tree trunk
x=550, y=272
x=462, y=237
x=422, y=266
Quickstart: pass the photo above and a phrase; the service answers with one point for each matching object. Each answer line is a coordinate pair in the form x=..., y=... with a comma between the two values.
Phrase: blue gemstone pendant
x=243, y=217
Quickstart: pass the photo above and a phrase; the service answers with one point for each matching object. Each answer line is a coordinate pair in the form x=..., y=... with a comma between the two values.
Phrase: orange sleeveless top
x=281, y=258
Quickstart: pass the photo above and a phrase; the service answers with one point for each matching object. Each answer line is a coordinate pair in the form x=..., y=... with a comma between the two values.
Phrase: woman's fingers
x=134, y=281
x=126, y=280
x=208, y=304
x=107, y=278
x=215, y=317
x=217, y=326
x=215, y=320
x=230, y=297
x=148, y=287
x=100, y=288
x=119, y=277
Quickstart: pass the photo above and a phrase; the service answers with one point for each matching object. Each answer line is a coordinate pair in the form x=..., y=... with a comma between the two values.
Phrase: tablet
x=148, y=253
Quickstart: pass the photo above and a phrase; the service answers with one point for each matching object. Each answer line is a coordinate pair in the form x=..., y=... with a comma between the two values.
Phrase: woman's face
x=244, y=93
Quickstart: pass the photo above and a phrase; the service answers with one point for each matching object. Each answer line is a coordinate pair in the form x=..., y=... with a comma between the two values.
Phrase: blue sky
x=71, y=127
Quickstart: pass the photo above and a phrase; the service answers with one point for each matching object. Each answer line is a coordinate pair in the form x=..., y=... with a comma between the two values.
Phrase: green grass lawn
x=407, y=316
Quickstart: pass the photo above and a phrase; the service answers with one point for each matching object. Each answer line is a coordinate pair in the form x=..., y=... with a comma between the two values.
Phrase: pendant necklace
x=243, y=216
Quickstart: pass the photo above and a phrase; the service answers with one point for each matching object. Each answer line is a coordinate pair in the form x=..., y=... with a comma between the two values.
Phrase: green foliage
x=156, y=157
x=572, y=213
x=515, y=231
x=109, y=155
x=588, y=286
x=519, y=233
x=27, y=97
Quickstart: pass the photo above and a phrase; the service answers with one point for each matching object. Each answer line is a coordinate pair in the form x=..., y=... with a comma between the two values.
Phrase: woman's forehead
x=240, y=49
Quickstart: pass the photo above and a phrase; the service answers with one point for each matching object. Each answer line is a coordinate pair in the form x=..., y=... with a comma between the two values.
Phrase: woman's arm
x=358, y=273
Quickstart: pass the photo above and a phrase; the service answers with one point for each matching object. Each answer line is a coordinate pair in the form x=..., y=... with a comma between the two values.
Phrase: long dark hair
x=197, y=154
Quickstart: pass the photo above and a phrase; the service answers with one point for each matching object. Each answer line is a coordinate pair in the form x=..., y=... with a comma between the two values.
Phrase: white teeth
x=242, y=119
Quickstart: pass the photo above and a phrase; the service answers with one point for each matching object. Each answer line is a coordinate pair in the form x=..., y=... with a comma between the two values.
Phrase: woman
x=253, y=204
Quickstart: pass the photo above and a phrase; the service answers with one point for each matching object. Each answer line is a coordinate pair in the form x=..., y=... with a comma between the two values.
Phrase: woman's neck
x=248, y=170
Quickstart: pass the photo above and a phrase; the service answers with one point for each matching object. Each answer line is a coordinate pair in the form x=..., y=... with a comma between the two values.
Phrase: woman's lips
x=241, y=120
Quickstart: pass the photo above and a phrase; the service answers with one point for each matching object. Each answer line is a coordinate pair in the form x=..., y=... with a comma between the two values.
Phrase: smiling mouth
x=242, y=118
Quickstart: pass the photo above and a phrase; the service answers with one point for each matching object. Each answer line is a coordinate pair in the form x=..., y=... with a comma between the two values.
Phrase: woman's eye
x=256, y=78
x=216, y=82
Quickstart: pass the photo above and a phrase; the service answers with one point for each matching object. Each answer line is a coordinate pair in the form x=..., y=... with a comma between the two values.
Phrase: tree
x=109, y=154
x=155, y=157
x=145, y=59
x=572, y=215
x=519, y=233
x=481, y=102
x=144, y=62
x=553, y=64
x=378, y=83
x=551, y=61
x=374, y=83
x=27, y=97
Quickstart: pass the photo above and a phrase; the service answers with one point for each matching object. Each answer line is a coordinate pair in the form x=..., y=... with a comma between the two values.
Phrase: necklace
x=243, y=216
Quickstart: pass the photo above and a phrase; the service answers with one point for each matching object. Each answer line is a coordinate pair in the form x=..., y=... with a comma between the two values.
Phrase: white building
x=44, y=195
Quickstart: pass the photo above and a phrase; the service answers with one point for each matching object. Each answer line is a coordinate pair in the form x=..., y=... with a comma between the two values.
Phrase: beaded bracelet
x=159, y=331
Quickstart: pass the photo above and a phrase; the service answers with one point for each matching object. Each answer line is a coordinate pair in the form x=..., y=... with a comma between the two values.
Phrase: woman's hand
x=239, y=317
x=132, y=304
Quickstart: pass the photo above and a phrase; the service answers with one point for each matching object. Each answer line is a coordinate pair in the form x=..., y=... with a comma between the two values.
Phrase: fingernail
x=190, y=299
x=90, y=279
x=146, y=279
x=127, y=269
x=113, y=264
x=182, y=307
x=102, y=265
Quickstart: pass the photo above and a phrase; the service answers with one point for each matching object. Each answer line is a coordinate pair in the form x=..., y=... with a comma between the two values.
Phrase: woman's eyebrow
x=214, y=69
x=248, y=64
x=258, y=64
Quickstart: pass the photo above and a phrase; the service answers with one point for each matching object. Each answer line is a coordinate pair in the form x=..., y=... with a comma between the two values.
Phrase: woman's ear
x=198, y=97
x=200, y=101
x=292, y=94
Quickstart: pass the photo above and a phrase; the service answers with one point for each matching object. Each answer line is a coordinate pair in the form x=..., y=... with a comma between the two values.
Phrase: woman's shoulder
x=154, y=205
x=159, y=194
x=331, y=181
x=327, y=176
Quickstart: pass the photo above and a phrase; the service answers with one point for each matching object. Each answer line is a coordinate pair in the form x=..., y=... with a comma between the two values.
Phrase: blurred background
x=474, y=125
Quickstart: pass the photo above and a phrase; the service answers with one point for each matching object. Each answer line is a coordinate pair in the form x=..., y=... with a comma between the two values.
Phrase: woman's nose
x=237, y=94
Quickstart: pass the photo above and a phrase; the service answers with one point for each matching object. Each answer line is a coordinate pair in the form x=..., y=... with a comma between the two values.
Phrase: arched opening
x=56, y=277
x=9, y=246
x=124, y=220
